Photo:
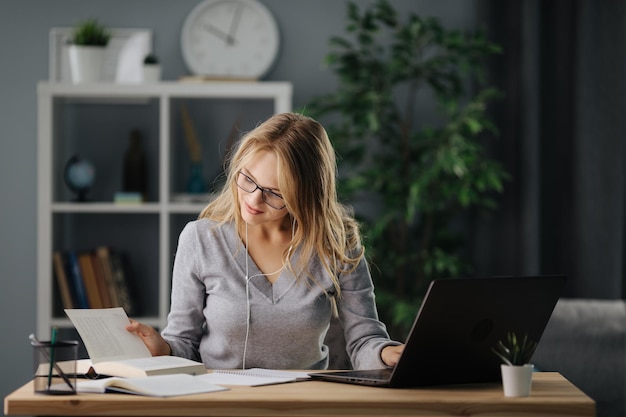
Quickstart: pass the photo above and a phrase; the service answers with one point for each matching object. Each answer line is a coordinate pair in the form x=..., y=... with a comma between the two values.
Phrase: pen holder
x=55, y=367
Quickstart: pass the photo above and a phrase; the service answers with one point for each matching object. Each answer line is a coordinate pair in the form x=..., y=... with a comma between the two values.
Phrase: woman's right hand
x=150, y=337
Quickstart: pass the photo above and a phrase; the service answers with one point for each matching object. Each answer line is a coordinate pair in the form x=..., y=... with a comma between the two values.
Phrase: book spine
x=121, y=283
x=103, y=289
x=59, y=265
x=89, y=279
x=103, y=257
x=77, y=280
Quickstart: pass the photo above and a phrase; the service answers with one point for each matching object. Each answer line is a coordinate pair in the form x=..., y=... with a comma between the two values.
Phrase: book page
x=157, y=386
x=105, y=336
x=159, y=362
x=153, y=365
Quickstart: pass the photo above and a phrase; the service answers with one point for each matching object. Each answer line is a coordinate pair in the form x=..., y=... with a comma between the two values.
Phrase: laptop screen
x=461, y=320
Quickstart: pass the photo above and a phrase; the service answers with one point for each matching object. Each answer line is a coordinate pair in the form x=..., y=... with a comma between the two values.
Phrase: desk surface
x=552, y=395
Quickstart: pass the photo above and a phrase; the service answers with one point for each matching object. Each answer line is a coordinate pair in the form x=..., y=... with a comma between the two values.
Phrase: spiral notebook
x=253, y=377
x=460, y=320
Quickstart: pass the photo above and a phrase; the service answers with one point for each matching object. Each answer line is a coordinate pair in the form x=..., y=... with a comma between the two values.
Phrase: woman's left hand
x=150, y=337
x=391, y=354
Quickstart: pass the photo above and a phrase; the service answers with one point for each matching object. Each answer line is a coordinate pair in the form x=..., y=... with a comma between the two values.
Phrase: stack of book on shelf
x=92, y=279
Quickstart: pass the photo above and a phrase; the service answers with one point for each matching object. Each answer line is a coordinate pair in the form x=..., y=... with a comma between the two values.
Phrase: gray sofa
x=585, y=340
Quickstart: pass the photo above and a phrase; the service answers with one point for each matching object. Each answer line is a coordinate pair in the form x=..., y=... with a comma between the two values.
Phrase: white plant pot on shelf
x=517, y=380
x=151, y=73
x=86, y=63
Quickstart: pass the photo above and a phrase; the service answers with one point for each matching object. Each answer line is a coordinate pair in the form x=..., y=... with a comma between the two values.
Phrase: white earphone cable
x=245, y=344
x=248, y=278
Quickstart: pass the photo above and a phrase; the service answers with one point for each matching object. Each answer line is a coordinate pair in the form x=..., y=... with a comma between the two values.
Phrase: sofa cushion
x=585, y=340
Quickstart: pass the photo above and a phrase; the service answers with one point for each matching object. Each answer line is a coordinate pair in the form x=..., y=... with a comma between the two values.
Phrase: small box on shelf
x=202, y=198
x=127, y=197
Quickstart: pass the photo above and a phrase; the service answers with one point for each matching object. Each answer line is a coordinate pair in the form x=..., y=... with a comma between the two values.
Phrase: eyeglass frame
x=258, y=187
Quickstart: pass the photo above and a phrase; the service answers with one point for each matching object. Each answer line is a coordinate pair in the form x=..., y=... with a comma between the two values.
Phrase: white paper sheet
x=105, y=336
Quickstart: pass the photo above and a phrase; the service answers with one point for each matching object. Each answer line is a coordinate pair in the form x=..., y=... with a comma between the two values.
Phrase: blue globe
x=79, y=176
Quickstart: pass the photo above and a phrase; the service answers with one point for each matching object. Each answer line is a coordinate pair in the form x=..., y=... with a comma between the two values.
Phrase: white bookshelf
x=69, y=121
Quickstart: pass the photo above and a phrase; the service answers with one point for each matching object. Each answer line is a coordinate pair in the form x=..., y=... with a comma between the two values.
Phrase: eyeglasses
x=270, y=198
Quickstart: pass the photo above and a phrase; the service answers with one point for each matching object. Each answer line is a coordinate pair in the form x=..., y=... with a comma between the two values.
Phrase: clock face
x=230, y=38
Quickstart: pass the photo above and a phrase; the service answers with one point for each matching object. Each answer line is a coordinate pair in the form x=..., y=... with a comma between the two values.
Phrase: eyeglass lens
x=269, y=197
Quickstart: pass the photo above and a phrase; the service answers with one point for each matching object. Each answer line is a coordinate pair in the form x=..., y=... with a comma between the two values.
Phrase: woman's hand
x=391, y=354
x=150, y=337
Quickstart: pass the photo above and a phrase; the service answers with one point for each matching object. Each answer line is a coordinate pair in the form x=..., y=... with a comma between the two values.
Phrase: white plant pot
x=86, y=63
x=517, y=380
x=151, y=73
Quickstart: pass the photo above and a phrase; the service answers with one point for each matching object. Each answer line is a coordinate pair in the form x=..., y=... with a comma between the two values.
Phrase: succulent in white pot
x=87, y=50
x=516, y=369
x=151, y=68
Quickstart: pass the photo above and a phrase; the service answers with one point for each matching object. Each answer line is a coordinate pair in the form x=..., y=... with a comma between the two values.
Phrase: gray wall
x=24, y=25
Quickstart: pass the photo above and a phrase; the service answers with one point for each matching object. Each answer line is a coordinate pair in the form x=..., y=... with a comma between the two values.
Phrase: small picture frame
x=124, y=56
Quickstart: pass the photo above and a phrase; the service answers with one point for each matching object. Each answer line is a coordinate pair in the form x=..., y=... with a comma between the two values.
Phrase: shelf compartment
x=100, y=134
x=135, y=236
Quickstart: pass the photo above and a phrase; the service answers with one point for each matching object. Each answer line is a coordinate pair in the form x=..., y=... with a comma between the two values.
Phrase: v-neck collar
x=272, y=292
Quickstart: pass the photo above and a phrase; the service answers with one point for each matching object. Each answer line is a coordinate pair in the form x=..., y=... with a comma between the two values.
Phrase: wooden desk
x=552, y=395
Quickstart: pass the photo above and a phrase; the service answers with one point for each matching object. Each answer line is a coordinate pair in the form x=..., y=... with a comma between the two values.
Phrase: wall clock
x=230, y=39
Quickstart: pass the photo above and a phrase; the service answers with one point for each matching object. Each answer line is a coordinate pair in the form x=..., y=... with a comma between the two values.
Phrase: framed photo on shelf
x=124, y=55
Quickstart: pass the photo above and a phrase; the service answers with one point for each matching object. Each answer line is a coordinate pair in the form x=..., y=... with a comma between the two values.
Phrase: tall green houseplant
x=416, y=175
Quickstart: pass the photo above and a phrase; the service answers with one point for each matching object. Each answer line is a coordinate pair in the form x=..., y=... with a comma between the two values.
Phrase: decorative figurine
x=134, y=174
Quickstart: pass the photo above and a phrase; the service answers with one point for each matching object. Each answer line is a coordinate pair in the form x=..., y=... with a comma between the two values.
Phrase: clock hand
x=234, y=24
x=220, y=34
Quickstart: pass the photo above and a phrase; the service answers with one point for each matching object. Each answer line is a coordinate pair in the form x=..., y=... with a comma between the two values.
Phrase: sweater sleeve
x=185, y=321
x=365, y=334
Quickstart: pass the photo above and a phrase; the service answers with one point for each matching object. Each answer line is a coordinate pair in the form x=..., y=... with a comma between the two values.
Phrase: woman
x=259, y=275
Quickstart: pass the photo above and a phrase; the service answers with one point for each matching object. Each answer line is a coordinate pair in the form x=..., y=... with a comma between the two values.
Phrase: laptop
x=460, y=320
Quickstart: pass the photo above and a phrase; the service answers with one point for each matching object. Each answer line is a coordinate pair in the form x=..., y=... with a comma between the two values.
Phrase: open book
x=115, y=351
x=154, y=386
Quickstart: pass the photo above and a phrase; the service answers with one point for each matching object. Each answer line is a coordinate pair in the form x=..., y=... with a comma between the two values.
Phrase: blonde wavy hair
x=307, y=170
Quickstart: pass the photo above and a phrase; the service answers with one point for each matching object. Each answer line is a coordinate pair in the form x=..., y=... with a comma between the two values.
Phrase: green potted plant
x=410, y=178
x=87, y=49
x=515, y=353
x=151, y=68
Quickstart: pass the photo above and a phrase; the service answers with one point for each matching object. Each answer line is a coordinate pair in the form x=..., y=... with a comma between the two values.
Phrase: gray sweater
x=288, y=319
